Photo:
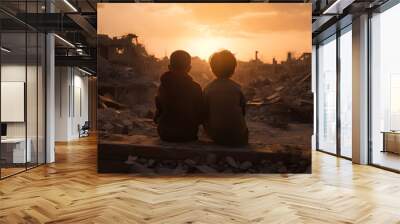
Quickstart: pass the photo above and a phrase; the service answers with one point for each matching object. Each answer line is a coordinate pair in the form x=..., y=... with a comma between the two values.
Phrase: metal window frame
x=381, y=9
x=44, y=75
x=339, y=32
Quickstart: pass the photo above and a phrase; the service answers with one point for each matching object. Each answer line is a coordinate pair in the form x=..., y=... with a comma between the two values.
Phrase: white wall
x=62, y=82
x=71, y=94
x=16, y=73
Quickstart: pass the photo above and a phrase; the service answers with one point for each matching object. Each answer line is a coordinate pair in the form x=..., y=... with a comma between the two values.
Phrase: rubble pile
x=213, y=164
x=112, y=121
x=282, y=100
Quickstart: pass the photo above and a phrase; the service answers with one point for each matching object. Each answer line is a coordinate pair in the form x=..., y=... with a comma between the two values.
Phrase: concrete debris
x=246, y=165
x=206, y=169
x=231, y=162
x=220, y=165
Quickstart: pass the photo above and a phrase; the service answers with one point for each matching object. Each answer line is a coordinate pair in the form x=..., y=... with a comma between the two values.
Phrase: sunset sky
x=201, y=29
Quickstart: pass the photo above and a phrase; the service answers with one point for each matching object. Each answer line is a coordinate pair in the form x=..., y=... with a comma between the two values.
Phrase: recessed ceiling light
x=64, y=40
x=70, y=5
x=5, y=50
x=84, y=71
x=337, y=7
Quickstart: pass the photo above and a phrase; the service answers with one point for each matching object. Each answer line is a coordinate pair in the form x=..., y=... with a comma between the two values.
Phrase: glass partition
x=385, y=89
x=326, y=104
x=14, y=145
x=22, y=88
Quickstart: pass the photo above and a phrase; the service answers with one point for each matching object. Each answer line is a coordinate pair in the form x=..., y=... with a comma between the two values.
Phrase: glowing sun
x=204, y=47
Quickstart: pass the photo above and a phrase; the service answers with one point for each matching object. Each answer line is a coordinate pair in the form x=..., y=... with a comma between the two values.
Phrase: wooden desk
x=13, y=150
x=391, y=141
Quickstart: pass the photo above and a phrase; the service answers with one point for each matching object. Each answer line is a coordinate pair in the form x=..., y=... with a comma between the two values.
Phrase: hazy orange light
x=201, y=29
x=205, y=47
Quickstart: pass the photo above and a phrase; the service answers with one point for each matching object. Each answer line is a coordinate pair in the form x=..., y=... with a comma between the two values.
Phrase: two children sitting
x=181, y=105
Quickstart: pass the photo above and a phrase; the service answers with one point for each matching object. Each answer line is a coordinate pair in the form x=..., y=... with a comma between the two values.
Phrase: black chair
x=84, y=130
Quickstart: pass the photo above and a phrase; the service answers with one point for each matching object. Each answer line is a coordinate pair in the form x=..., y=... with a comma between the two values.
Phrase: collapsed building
x=285, y=96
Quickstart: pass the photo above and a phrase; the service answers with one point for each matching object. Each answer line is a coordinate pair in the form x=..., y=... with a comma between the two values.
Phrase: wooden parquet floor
x=71, y=191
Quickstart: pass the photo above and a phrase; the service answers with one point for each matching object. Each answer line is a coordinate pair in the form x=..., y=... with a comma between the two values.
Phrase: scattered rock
x=139, y=168
x=211, y=165
x=150, y=162
x=282, y=169
x=165, y=170
x=246, y=165
x=211, y=158
x=190, y=162
x=131, y=159
x=206, y=169
x=231, y=162
x=180, y=170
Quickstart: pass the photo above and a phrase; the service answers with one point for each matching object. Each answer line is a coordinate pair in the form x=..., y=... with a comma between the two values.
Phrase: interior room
x=71, y=103
x=385, y=90
x=49, y=98
x=22, y=101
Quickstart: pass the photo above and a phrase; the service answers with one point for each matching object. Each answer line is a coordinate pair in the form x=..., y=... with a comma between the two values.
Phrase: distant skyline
x=201, y=29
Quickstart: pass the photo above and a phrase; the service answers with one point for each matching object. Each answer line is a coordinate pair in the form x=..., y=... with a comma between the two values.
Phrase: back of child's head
x=180, y=60
x=223, y=64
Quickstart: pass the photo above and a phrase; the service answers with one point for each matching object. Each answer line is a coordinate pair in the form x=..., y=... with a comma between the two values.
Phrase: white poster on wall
x=12, y=101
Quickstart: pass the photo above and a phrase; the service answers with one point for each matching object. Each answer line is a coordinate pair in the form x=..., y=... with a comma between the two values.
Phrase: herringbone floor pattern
x=70, y=191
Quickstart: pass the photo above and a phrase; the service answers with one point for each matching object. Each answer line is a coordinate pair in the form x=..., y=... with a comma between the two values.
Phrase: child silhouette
x=225, y=104
x=178, y=101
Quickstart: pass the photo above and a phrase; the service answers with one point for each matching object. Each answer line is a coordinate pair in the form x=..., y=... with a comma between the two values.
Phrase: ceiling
x=76, y=21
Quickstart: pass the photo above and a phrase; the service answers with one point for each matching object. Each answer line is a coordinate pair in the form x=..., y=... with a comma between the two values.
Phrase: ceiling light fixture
x=5, y=50
x=337, y=7
x=70, y=5
x=64, y=40
x=84, y=71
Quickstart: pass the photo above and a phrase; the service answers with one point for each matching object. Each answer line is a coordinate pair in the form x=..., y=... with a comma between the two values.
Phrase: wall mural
x=204, y=88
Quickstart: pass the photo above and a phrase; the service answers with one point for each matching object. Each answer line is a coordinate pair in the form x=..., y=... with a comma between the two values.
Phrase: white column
x=50, y=98
x=50, y=92
x=360, y=89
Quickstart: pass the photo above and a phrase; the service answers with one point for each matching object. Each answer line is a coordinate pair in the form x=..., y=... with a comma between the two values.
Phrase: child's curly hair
x=223, y=64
